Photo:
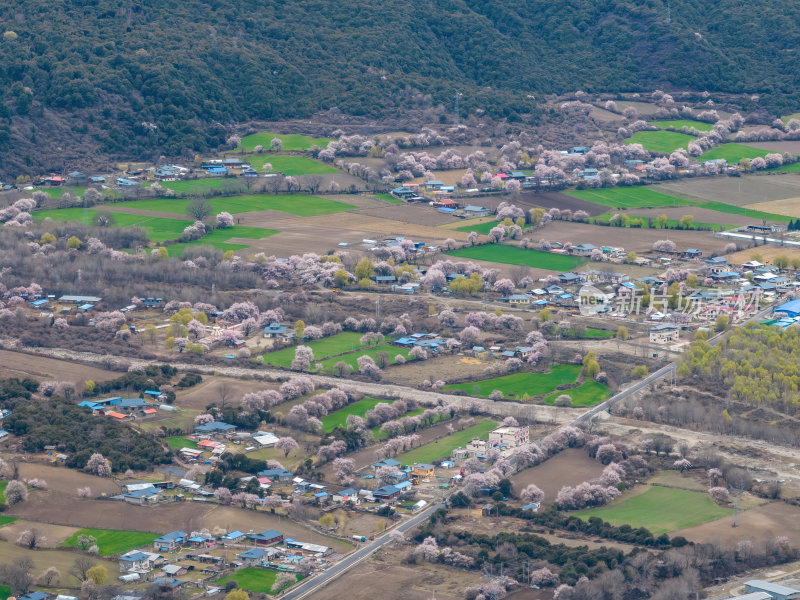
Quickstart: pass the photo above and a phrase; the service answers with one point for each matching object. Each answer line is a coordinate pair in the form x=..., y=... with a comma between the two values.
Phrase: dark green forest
x=110, y=70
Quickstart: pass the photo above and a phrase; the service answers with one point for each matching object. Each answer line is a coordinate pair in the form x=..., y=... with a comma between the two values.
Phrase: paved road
x=318, y=581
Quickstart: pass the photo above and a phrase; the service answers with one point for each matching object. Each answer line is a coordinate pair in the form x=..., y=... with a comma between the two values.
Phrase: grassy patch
x=198, y=186
x=159, y=229
x=56, y=192
x=744, y=211
x=292, y=165
x=389, y=198
x=351, y=358
x=339, y=418
x=661, y=141
x=291, y=141
x=792, y=168
x=588, y=393
x=5, y=592
x=678, y=123
x=445, y=446
x=296, y=204
x=660, y=510
x=517, y=385
x=601, y=334
x=645, y=223
x=733, y=153
x=628, y=197
x=347, y=341
x=254, y=580
x=112, y=541
x=219, y=239
x=483, y=228
x=3, y=485
x=512, y=255
x=177, y=442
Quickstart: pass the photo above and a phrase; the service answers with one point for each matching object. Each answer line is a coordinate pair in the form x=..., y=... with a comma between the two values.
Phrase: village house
x=255, y=557
x=420, y=471
x=144, y=497
x=664, y=333
x=281, y=475
x=233, y=537
x=510, y=437
x=346, y=495
x=170, y=541
x=583, y=249
x=387, y=493
x=517, y=300
x=137, y=561
x=270, y=537
x=215, y=428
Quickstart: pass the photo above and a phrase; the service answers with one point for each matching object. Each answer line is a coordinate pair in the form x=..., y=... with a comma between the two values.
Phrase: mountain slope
x=190, y=67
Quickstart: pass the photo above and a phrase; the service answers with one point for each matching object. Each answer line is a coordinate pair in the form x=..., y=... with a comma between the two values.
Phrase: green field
x=351, y=358
x=253, y=579
x=512, y=255
x=291, y=141
x=159, y=229
x=219, y=239
x=661, y=141
x=177, y=442
x=292, y=165
x=57, y=192
x=678, y=123
x=112, y=541
x=744, y=211
x=733, y=153
x=588, y=393
x=593, y=333
x=339, y=418
x=198, y=186
x=660, y=510
x=5, y=592
x=792, y=168
x=302, y=205
x=3, y=485
x=671, y=223
x=444, y=447
x=627, y=197
x=517, y=385
x=483, y=228
x=347, y=341
x=376, y=431
x=389, y=198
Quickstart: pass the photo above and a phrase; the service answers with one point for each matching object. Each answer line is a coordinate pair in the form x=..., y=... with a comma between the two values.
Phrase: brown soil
x=448, y=368
x=561, y=201
x=54, y=535
x=787, y=206
x=735, y=190
x=65, y=482
x=701, y=215
x=767, y=253
x=13, y=364
x=570, y=467
x=773, y=519
x=792, y=147
x=418, y=214
x=212, y=388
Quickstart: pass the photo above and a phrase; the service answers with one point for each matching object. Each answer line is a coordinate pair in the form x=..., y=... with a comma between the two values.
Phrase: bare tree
x=314, y=182
x=79, y=568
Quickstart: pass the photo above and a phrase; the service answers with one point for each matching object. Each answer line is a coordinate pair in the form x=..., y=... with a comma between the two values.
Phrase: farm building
x=517, y=299
x=775, y=590
x=232, y=537
x=422, y=471
x=257, y=556
x=471, y=211
x=347, y=495
x=386, y=493
x=276, y=474
x=510, y=437
x=137, y=561
x=664, y=333
x=386, y=462
x=270, y=537
x=170, y=541
x=215, y=427
x=583, y=249
x=143, y=497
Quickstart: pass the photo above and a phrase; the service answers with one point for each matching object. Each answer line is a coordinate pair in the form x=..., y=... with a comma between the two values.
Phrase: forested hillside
x=166, y=76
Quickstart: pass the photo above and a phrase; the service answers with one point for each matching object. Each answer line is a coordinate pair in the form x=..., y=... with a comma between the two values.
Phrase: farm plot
x=360, y=408
x=445, y=446
x=292, y=165
x=738, y=191
x=220, y=239
x=744, y=211
x=14, y=364
x=289, y=141
x=177, y=442
x=790, y=207
x=351, y=358
x=347, y=341
x=57, y=192
x=659, y=509
x=771, y=518
x=483, y=228
x=588, y=393
x=66, y=481
x=111, y=542
x=255, y=580
x=389, y=198
x=593, y=333
x=159, y=229
x=570, y=467
x=42, y=559
x=199, y=187
x=512, y=255
x=733, y=153
x=296, y=204
x=661, y=141
x=680, y=123
x=517, y=385
x=627, y=197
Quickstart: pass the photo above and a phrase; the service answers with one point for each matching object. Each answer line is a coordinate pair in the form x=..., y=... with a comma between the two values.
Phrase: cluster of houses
x=129, y=409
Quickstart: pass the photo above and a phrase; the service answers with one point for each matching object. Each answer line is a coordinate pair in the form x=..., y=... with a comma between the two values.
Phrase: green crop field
x=483, y=228
x=253, y=579
x=159, y=229
x=645, y=223
x=588, y=393
x=347, y=341
x=177, y=442
x=593, y=333
x=292, y=165
x=444, y=447
x=56, y=192
x=744, y=211
x=733, y=153
x=112, y=541
x=512, y=255
x=389, y=198
x=219, y=239
x=661, y=141
x=191, y=187
x=677, y=124
x=792, y=168
x=3, y=485
x=291, y=141
x=376, y=431
x=628, y=197
x=302, y=205
x=517, y=385
x=351, y=358
x=660, y=510
x=5, y=592
x=339, y=418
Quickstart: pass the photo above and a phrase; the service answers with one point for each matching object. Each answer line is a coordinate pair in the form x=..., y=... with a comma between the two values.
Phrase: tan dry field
x=792, y=147
x=772, y=519
x=638, y=240
x=570, y=467
x=212, y=389
x=65, y=482
x=601, y=114
x=643, y=108
x=701, y=215
x=385, y=571
x=54, y=534
x=788, y=206
x=416, y=214
x=449, y=368
x=14, y=364
x=740, y=191
x=51, y=507
x=529, y=200
x=359, y=523
x=60, y=559
x=767, y=253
